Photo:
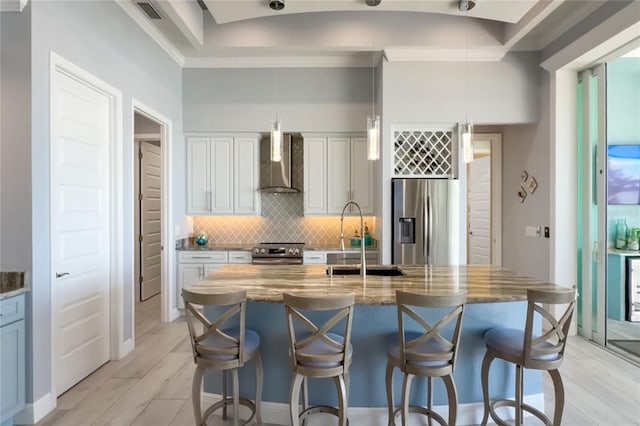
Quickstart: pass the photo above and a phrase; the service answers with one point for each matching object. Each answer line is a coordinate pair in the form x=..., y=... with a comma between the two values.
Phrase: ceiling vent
x=149, y=10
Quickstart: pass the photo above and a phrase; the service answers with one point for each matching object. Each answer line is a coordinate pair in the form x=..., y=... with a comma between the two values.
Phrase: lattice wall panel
x=423, y=153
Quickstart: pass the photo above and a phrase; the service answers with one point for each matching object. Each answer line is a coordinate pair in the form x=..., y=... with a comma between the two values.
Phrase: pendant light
x=276, y=133
x=373, y=121
x=466, y=129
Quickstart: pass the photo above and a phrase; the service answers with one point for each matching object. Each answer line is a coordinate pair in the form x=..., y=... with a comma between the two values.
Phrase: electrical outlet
x=546, y=232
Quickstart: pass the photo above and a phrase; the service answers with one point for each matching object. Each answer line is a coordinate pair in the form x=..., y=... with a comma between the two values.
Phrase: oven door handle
x=276, y=261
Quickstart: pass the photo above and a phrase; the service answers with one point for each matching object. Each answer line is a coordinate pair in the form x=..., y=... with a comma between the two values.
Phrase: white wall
x=99, y=37
x=305, y=99
x=490, y=93
x=143, y=125
x=15, y=140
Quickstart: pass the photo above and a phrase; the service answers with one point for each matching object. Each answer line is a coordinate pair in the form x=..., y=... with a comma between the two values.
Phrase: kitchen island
x=496, y=297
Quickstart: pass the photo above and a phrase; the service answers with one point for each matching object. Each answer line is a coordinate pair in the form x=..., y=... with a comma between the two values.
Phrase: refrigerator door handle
x=428, y=237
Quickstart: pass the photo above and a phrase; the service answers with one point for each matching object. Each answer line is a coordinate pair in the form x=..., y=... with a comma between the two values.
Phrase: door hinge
x=140, y=154
x=140, y=238
x=140, y=196
x=140, y=279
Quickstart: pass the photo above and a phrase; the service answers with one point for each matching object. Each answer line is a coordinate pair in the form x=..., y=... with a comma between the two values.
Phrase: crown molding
x=486, y=54
x=132, y=10
x=13, y=5
x=357, y=61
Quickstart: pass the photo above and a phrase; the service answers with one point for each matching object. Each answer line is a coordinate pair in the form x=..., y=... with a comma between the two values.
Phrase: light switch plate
x=532, y=231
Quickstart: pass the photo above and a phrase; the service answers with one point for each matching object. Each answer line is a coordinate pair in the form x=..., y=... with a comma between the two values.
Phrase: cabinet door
x=12, y=360
x=315, y=175
x=338, y=174
x=198, y=177
x=222, y=175
x=188, y=275
x=362, y=176
x=247, y=176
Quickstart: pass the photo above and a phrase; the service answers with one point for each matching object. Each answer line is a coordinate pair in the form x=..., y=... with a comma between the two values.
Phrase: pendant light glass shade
x=373, y=137
x=276, y=141
x=467, y=142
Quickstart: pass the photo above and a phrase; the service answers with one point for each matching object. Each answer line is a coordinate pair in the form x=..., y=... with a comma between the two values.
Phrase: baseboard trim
x=36, y=411
x=468, y=414
x=125, y=348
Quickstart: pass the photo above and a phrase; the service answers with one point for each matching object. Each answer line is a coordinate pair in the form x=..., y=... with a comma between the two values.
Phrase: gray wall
x=305, y=99
x=142, y=124
x=491, y=93
x=15, y=140
x=99, y=37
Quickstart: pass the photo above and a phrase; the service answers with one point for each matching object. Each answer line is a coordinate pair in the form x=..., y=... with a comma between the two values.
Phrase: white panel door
x=247, y=176
x=315, y=175
x=479, y=226
x=150, y=220
x=222, y=175
x=80, y=258
x=361, y=176
x=338, y=174
x=198, y=176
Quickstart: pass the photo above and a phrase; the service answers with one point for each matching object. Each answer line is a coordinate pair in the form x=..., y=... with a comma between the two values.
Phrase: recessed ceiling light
x=372, y=3
x=276, y=4
x=466, y=5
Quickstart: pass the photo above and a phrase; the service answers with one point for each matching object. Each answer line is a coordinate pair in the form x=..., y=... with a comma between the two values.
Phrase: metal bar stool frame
x=228, y=358
x=544, y=352
x=414, y=362
x=329, y=365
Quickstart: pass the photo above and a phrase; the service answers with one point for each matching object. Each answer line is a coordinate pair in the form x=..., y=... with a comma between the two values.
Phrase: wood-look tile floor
x=152, y=385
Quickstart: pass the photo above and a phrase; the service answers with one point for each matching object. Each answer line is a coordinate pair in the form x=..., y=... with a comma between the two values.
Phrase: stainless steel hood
x=286, y=175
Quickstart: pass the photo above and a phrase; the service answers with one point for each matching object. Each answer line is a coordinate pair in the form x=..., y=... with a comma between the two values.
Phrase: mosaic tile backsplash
x=282, y=220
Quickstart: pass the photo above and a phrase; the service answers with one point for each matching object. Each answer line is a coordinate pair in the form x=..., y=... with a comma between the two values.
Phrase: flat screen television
x=623, y=174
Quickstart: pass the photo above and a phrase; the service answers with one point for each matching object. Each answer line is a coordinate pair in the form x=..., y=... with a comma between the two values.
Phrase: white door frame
x=168, y=305
x=117, y=346
x=495, y=139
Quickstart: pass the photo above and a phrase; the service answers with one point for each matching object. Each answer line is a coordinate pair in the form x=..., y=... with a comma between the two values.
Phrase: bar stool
x=528, y=350
x=318, y=352
x=426, y=353
x=225, y=349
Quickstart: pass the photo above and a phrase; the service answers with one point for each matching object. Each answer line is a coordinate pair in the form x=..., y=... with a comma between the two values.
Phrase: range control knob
x=257, y=251
x=290, y=251
x=296, y=251
x=263, y=251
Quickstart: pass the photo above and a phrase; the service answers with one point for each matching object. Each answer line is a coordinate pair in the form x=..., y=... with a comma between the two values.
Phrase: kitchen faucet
x=363, y=266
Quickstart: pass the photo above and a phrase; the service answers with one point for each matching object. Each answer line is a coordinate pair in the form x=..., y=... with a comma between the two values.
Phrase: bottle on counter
x=621, y=234
x=367, y=235
x=632, y=240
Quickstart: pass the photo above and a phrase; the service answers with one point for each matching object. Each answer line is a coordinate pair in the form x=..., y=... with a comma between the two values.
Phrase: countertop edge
x=12, y=293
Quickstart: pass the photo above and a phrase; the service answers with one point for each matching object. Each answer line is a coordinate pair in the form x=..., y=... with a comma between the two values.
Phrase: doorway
x=484, y=201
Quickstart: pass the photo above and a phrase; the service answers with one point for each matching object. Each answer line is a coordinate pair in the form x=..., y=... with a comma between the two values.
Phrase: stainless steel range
x=277, y=254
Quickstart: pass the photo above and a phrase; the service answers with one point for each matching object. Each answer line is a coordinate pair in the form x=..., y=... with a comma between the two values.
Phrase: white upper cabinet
x=315, y=175
x=338, y=179
x=222, y=175
x=247, y=175
x=336, y=170
x=361, y=176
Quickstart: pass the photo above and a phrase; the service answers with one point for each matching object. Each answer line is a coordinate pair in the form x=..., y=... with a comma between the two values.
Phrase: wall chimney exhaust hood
x=284, y=176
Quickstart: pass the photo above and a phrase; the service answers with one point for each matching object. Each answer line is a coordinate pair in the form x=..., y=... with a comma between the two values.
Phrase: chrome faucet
x=363, y=266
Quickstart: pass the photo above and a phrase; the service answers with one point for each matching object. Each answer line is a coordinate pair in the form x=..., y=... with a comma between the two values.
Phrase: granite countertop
x=217, y=246
x=335, y=247
x=622, y=252
x=13, y=283
x=267, y=283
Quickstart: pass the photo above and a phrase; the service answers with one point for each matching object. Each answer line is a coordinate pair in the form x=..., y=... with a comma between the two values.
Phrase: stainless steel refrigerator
x=426, y=221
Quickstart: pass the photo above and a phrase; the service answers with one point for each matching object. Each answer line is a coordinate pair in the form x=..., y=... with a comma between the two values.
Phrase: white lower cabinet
x=12, y=357
x=194, y=266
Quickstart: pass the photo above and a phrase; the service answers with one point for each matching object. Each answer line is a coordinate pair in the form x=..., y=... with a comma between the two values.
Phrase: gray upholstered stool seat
x=317, y=351
x=224, y=349
x=429, y=353
x=526, y=349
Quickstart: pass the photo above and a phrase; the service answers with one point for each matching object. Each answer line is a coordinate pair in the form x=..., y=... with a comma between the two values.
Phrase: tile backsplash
x=282, y=220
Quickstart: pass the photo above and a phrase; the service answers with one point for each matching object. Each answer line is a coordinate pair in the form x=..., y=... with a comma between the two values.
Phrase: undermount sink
x=384, y=271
